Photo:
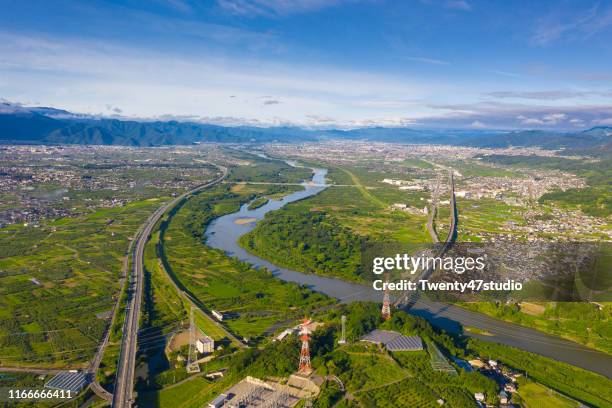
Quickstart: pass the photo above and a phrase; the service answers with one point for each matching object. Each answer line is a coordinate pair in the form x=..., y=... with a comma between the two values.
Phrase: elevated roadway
x=124, y=382
x=410, y=297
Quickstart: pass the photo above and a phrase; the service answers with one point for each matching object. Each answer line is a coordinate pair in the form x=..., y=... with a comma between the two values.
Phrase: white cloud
x=85, y=77
x=428, y=60
x=272, y=8
x=458, y=4
x=574, y=25
x=603, y=122
x=554, y=118
x=577, y=122
x=547, y=119
x=504, y=73
x=478, y=125
x=88, y=76
x=530, y=121
x=543, y=95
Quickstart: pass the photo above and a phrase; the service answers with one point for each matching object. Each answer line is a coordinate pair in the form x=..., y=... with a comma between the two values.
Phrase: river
x=223, y=233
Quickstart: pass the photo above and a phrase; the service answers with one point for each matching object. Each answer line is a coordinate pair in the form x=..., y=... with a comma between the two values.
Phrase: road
x=410, y=297
x=124, y=382
x=43, y=371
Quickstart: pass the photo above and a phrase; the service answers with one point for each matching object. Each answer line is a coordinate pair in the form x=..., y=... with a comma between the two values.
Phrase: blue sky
x=332, y=63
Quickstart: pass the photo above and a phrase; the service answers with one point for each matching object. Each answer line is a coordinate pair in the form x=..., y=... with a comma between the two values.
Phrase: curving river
x=223, y=233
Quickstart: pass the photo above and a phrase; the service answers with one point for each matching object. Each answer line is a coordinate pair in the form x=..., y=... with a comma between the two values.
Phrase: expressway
x=124, y=382
x=411, y=297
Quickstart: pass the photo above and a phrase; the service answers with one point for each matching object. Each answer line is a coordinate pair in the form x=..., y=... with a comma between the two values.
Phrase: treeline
x=311, y=242
x=202, y=208
x=258, y=202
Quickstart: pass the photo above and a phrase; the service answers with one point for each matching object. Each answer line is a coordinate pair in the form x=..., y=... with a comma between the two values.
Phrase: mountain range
x=43, y=125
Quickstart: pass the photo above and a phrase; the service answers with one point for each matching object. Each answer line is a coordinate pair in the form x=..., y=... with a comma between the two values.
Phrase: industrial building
x=254, y=393
x=205, y=345
x=218, y=402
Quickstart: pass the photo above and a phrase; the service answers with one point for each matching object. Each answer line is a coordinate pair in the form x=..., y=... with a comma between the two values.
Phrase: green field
x=366, y=369
x=534, y=395
x=66, y=271
x=194, y=392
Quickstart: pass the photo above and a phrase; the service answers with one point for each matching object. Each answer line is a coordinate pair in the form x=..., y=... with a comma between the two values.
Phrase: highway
x=410, y=297
x=124, y=382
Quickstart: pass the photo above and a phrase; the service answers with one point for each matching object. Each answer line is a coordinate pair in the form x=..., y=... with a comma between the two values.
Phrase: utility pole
x=192, y=356
x=305, y=367
x=343, y=338
x=386, y=307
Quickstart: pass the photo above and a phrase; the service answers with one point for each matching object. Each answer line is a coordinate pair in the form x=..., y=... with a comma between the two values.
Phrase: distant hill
x=45, y=125
x=27, y=127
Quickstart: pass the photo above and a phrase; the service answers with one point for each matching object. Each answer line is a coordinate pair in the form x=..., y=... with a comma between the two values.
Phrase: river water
x=223, y=233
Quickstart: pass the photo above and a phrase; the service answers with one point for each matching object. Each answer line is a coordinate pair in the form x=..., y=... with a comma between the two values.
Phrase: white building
x=412, y=188
x=205, y=345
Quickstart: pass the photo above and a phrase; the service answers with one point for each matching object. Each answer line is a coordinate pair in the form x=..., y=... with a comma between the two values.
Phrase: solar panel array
x=405, y=343
x=380, y=336
x=393, y=341
x=70, y=381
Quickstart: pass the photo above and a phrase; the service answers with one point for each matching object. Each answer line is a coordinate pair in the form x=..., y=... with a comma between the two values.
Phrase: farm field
x=67, y=273
x=536, y=395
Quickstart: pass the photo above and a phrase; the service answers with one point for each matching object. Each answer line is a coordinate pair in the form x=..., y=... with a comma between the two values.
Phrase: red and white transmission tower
x=305, y=367
x=386, y=306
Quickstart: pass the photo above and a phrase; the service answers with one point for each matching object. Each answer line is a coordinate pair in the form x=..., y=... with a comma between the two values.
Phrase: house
x=283, y=334
x=503, y=397
x=217, y=315
x=479, y=396
x=476, y=363
x=205, y=344
x=493, y=363
x=215, y=374
x=510, y=387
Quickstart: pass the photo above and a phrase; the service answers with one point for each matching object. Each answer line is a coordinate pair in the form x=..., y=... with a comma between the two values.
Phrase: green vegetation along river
x=224, y=232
